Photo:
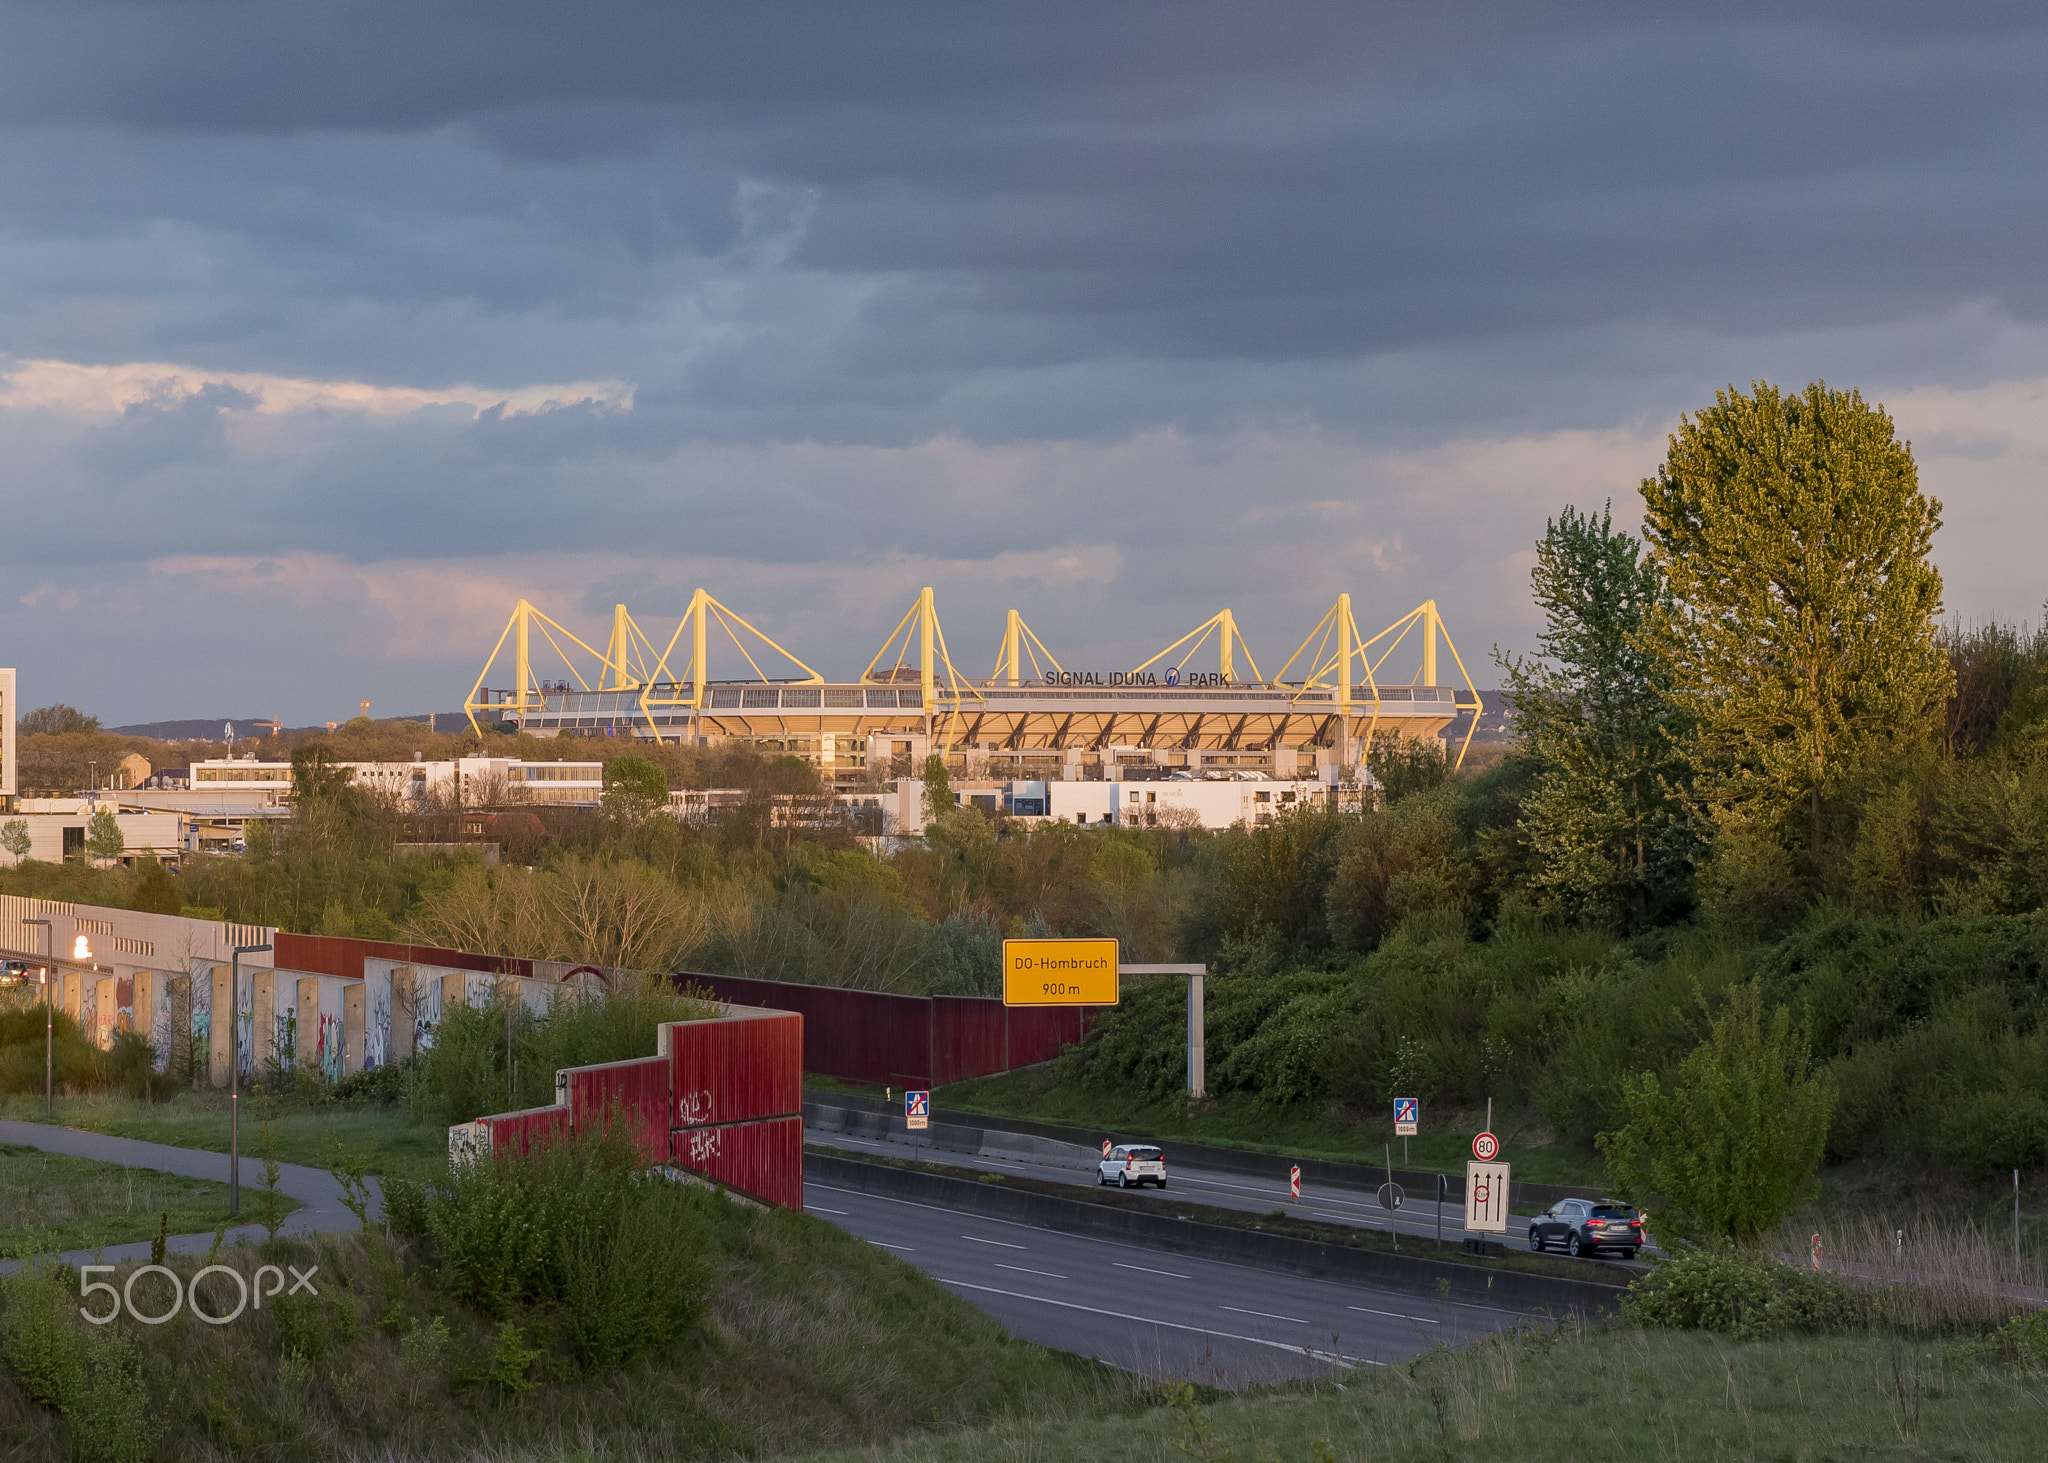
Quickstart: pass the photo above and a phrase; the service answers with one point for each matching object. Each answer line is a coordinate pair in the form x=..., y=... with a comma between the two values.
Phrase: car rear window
x=1613, y=1211
x=1145, y=1155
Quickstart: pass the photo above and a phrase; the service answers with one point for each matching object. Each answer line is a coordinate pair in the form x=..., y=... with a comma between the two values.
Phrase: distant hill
x=1496, y=723
x=210, y=729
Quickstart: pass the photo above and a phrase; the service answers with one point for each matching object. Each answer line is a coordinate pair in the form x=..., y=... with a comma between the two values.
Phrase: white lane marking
x=1026, y=1270
x=1308, y=1351
x=1473, y=1305
x=1267, y=1314
x=1397, y=1315
x=821, y=1209
x=1004, y=1243
x=1174, y=1274
x=884, y=1244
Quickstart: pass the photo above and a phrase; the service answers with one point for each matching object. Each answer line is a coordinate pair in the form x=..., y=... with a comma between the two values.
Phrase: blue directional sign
x=917, y=1108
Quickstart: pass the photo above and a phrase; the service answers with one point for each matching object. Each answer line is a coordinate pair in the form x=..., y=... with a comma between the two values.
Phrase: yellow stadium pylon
x=526, y=694
x=1229, y=644
x=920, y=627
x=685, y=687
x=1020, y=644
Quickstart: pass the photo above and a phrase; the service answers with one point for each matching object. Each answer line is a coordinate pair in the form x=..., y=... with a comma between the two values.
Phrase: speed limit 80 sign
x=1486, y=1147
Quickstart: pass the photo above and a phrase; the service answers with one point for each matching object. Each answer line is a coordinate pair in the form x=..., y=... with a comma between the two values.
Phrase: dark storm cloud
x=1025, y=187
x=859, y=262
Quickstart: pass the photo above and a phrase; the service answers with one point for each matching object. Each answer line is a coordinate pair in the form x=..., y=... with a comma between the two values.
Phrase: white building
x=1216, y=800
x=7, y=782
x=57, y=827
x=470, y=780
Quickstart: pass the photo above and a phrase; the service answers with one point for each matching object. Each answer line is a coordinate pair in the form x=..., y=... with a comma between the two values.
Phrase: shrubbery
x=1743, y=1293
x=571, y=1239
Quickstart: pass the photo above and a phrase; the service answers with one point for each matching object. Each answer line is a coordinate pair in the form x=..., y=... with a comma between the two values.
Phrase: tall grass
x=1930, y=1272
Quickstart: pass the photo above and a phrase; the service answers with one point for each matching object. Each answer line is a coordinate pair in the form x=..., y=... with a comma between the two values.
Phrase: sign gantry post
x=1090, y=973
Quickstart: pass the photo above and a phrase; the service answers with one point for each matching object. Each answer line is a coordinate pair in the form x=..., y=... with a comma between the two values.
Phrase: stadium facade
x=1200, y=704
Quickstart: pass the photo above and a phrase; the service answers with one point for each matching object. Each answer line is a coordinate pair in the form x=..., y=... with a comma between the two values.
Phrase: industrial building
x=1032, y=718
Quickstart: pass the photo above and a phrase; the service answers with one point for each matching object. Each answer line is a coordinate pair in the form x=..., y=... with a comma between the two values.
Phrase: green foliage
x=1594, y=716
x=638, y=776
x=2023, y=1341
x=1729, y=1146
x=578, y=1231
x=79, y=1064
x=91, y=1377
x=103, y=838
x=1800, y=636
x=938, y=789
x=465, y=1070
x=14, y=837
x=156, y=892
x=1745, y=1294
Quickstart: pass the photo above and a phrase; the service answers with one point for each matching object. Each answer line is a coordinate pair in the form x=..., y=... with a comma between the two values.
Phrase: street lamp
x=235, y=1077
x=49, y=1026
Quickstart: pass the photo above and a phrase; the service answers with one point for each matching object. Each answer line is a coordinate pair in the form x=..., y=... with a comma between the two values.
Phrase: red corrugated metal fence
x=722, y=1098
x=908, y=1041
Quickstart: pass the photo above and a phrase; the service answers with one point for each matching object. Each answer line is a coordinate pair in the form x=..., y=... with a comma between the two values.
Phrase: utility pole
x=50, y=1020
x=235, y=1077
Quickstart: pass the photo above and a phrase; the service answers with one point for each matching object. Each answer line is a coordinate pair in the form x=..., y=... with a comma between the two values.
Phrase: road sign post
x=1443, y=1189
x=1486, y=1197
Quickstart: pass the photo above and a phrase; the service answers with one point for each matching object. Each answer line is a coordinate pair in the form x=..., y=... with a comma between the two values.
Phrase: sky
x=327, y=332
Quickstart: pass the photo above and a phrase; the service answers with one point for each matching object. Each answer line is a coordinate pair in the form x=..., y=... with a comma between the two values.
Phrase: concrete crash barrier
x=1512, y=1290
x=951, y=1137
x=721, y=1099
x=1365, y=1176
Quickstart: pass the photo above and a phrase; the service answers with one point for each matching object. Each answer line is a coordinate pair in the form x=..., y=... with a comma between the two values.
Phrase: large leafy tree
x=1593, y=714
x=1801, y=630
x=1729, y=1146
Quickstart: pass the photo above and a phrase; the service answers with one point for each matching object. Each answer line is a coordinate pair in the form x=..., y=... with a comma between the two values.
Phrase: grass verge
x=1237, y=1120
x=306, y=1134
x=1600, y=1272
x=51, y=1202
x=1619, y=1392
x=809, y=1339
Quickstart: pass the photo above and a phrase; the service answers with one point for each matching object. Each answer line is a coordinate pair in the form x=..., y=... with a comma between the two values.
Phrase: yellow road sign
x=1059, y=972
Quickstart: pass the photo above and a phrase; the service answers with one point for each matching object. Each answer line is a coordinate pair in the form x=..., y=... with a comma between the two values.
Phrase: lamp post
x=49, y=1023
x=235, y=1077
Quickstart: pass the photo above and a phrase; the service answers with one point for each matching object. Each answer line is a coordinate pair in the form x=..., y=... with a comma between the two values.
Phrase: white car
x=1132, y=1165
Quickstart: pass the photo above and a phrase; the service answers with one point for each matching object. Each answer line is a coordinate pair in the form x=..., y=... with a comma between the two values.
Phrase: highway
x=1329, y=1204
x=1150, y=1311
x=1206, y=1186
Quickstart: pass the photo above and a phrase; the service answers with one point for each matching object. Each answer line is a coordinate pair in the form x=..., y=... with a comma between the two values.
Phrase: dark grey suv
x=1585, y=1226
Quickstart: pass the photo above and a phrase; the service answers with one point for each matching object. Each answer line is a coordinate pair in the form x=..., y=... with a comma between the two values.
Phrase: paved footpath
x=317, y=1191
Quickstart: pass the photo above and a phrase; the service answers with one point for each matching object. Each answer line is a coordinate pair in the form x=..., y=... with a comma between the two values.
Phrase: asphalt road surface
x=1417, y=1215
x=1416, y=1218
x=1152, y=1311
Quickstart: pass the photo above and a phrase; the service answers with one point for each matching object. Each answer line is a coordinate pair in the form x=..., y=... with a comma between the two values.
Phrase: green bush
x=1743, y=1293
x=91, y=1377
x=79, y=1064
x=577, y=1231
x=2023, y=1341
